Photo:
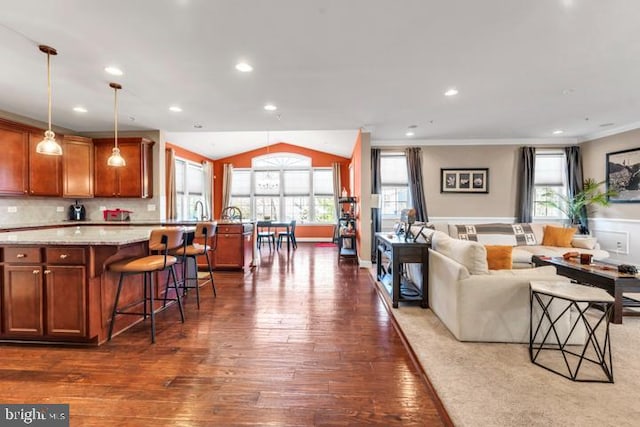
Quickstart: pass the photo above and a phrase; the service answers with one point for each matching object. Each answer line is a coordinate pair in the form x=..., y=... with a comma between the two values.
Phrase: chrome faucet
x=202, y=216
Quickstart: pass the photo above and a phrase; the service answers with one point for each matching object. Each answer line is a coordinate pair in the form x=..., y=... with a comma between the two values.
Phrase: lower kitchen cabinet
x=235, y=246
x=41, y=298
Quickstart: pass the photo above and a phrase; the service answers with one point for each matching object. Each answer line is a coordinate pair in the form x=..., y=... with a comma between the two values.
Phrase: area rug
x=490, y=384
x=325, y=245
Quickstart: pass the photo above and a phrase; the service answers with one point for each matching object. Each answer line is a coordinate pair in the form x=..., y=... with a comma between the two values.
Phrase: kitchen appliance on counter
x=77, y=212
x=116, y=215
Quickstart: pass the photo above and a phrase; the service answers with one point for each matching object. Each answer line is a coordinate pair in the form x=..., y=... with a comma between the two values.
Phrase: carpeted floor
x=489, y=384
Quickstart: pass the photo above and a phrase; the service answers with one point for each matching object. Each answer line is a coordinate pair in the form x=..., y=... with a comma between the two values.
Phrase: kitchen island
x=56, y=287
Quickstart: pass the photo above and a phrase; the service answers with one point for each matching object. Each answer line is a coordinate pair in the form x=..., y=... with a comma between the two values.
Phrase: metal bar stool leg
x=213, y=285
x=175, y=286
x=115, y=306
x=153, y=311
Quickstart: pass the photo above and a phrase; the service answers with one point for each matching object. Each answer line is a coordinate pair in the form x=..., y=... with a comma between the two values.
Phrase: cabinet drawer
x=62, y=255
x=229, y=229
x=22, y=255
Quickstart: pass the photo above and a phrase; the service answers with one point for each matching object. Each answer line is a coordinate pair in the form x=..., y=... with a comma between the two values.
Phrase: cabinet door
x=22, y=300
x=105, y=176
x=14, y=161
x=45, y=172
x=77, y=167
x=130, y=176
x=66, y=300
x=229, y=252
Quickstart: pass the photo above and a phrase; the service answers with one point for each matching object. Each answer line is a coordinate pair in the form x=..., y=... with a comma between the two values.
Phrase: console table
x=402, y=252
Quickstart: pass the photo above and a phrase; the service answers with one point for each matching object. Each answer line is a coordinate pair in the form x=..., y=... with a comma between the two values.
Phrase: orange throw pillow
x=558, y=236
x=499, y=257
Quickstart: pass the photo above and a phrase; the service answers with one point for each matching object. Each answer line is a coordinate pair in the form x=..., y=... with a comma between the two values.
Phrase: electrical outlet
x=151, y=207
x=12, y=209
x=60, y=209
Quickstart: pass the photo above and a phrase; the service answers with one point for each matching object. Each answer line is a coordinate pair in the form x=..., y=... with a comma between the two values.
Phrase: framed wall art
x=474, y=180
x=623, y=175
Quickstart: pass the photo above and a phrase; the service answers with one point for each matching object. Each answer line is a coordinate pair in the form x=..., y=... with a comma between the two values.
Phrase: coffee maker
x=77, y=212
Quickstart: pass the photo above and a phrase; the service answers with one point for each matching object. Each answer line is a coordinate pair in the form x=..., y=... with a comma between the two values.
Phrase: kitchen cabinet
x=77, y=167
x=14, y=161
x=45, y=172
x=235, y=246
x=133, y=180
x=44, y=297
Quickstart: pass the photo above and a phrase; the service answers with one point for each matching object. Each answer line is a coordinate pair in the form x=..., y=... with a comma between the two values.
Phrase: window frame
x=283, y=196
x=183, y=209
x=396, y=185
x=562, y=186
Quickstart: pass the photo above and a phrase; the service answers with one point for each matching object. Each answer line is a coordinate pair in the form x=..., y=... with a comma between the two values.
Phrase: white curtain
x=227, y=177
x=337, y=189
x=170, y=162
x=207, y=188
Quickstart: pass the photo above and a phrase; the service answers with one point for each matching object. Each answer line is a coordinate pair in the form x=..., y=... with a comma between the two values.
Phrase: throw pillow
x=584, y=242
x=472, y=255
x=499, y=257
x=558, y=236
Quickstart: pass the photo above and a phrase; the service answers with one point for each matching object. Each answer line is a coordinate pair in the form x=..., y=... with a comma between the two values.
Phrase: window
x=189, y=188
x=550, y=173
x=395, y=184
x=284, y=186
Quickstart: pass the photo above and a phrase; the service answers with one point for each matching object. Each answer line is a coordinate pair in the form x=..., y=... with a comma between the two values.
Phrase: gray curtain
x=526, y=184
x=575, y=180
x=376, y=188
x=337, y=189
x=416, y=187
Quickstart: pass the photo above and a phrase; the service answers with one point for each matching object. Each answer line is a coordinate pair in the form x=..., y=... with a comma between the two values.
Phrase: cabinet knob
x=47, y=272
x=63, y=256
x=21, y=255
x=36, y=271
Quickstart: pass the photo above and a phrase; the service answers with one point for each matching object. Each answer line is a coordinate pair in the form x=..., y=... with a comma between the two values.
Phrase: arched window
x=284, y=186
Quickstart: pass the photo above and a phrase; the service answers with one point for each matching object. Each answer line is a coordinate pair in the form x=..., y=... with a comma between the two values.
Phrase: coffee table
x=601, y=275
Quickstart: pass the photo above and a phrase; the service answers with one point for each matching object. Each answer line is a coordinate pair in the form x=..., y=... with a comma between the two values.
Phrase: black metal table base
x=541, y=340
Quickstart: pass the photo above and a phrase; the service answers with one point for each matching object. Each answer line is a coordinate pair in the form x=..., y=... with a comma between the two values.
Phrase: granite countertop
x=79, y=235
x=146, y=222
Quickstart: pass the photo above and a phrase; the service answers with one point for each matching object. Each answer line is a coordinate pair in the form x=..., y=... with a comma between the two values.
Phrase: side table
x=544, y=336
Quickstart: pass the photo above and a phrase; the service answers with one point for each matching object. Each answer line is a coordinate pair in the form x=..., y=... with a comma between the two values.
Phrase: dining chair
x=265, y=233
x=290, y=235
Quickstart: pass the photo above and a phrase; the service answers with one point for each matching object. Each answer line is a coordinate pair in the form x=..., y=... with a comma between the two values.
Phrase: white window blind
x=267, y=182
x=296, y=182
x=549, y=169
x=393, y=170
x=323, y=182
x=241, y=183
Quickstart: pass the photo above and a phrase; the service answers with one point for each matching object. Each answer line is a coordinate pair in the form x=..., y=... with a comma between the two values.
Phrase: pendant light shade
x=49, y=145
x=115, y=159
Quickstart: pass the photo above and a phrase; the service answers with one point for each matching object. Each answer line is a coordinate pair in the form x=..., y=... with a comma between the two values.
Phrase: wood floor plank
x=301, y=340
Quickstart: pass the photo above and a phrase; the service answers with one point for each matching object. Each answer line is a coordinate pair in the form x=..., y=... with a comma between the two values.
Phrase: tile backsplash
x=29, y=210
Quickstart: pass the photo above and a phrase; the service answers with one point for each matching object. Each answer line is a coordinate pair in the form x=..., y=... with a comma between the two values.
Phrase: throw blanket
x=498, y=234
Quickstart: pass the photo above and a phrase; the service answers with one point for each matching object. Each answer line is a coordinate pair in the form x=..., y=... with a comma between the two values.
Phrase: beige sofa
x=478, y=304
x=523, y=250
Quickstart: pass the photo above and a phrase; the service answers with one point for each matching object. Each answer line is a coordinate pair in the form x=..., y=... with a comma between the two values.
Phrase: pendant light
x=49, y=145
x=115, y=159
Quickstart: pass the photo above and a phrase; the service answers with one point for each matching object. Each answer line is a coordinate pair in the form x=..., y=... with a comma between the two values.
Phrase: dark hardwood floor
x=303, y=340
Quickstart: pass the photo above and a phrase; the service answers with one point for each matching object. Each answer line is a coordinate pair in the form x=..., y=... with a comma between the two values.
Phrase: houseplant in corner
x=575, y=208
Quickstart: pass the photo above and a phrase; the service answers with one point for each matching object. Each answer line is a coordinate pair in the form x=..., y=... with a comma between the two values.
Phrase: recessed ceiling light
x=270, y=107
x=451, y=92
x=114, y=71
x=410, y=133
x=79, y=109
x=558, y=132
x=244, y=67
x=175, y=109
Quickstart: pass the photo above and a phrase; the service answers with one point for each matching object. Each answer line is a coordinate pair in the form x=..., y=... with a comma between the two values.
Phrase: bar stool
x=204, y=230
x=161, y=240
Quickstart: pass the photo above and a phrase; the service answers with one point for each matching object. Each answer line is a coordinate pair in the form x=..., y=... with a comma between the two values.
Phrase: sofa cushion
x=472, y=255
x=584, y=242
x=499, y=257
x=558, y=236
x=498, y=234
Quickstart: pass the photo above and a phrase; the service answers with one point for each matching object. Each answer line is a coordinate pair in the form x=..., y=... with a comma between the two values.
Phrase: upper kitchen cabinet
x=133, y=180
x=14, y=161
x=77, y=167
x=45, y=171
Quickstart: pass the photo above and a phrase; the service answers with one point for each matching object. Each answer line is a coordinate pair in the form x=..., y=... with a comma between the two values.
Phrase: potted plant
x=575, y=208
